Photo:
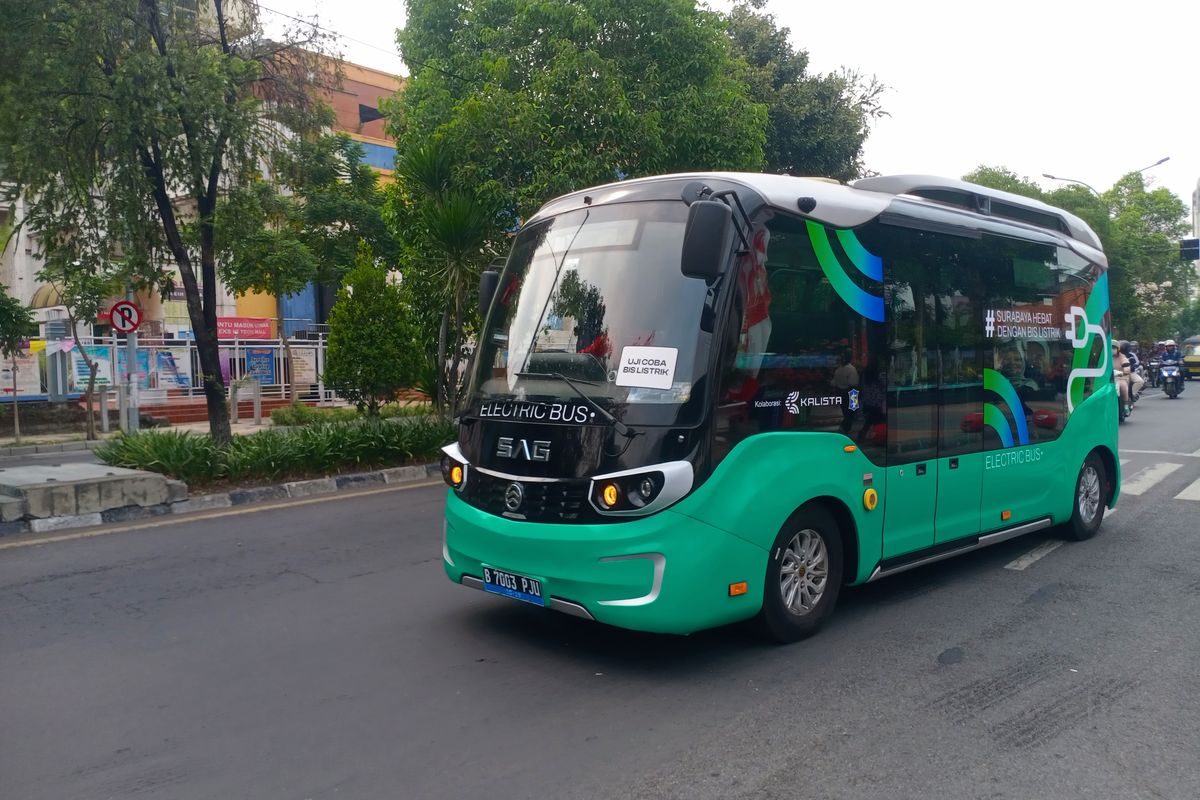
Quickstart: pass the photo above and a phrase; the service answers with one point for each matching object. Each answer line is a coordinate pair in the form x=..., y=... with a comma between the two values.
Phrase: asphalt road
x=316, y=650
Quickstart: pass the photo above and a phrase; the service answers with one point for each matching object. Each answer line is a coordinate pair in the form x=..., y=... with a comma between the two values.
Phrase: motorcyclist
x=1173, y=355
x=1129, y=349
x=1121, y=377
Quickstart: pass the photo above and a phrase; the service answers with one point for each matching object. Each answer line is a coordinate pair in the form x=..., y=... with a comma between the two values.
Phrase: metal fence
x=166, y=368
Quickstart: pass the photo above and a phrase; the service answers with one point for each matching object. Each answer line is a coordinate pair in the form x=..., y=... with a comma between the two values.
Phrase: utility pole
x=131, y=375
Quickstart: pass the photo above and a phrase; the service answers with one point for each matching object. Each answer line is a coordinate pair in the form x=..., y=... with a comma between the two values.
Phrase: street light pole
x=1163, y=160
x=1155, y=164
x=1072, y=180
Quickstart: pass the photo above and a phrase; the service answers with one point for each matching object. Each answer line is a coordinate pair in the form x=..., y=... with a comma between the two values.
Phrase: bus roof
x=843, y=205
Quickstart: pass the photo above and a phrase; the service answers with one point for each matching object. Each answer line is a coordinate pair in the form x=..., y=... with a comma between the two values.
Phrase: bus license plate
x=512, y=585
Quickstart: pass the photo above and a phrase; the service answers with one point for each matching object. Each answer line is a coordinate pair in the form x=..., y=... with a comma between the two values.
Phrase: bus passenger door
x=912, y=472
x=960, y=401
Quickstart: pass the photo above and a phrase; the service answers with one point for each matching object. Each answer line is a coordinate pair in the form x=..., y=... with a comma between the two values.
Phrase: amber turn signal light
x=609, y=494
x=456, y=475
x=1005, y=516
x=739, y=588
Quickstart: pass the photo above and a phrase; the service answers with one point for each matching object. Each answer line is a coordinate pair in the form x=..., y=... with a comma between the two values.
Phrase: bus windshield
x=597, y=296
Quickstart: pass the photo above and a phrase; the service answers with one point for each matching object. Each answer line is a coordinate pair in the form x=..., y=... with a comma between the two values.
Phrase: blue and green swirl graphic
x=867, y=304
x=993, y=415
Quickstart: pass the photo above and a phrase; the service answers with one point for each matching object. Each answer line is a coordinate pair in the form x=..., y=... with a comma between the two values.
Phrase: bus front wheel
x=1091, y=492
x=804, y=576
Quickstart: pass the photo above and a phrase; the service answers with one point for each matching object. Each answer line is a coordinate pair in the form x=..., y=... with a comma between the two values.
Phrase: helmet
x=1169, y=342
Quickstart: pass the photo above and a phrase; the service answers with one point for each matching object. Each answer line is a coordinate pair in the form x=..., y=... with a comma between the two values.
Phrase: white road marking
x=1148, y=478
x=1124, y=461
x=1164, y=453
x=1042, y=550
x=1190, y=493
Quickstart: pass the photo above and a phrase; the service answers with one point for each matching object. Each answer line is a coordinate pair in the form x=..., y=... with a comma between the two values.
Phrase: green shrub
x=314, y=449
x=187, y=456
x=299, y=415
x=373, y=349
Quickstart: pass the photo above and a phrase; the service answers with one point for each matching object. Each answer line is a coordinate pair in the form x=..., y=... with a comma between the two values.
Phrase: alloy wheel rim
x=1089, y=494
x=803, y=572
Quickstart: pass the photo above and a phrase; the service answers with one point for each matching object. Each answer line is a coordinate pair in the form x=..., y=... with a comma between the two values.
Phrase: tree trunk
x=458, y=343
x=89, y=397
x=214, y=384
x=440, y=390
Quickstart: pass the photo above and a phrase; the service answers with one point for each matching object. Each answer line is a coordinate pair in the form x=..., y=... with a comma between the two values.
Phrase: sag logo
x=853, y=400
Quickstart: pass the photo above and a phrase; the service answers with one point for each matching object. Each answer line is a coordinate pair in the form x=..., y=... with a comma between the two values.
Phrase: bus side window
x=912, y=372
x=1028, y=294
x=804, y=359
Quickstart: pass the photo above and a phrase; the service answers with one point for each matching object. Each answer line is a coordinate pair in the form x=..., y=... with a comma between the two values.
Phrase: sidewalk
x=37, y=444
x=55, y=482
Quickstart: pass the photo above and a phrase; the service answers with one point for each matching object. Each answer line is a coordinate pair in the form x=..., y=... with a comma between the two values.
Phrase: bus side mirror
x=489, y=279
x=707, y=239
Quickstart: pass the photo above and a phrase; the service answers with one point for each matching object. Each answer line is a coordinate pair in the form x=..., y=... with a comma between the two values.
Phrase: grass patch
x=273, y=455
x=301, y=415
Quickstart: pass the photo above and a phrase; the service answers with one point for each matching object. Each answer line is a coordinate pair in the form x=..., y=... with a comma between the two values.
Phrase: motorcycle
x=1122, y=412
x=1152, y=377
x=1170, y=379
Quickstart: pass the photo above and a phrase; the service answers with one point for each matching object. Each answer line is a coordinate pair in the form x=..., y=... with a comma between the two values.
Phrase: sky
x=1082, y=90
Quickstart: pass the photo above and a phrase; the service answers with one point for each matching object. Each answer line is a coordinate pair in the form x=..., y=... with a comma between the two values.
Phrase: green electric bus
x=704, y=398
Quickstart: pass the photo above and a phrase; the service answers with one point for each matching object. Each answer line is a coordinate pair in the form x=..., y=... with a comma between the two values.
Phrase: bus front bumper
x=665, y=573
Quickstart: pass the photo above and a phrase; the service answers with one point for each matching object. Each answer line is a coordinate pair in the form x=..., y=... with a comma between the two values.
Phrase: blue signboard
x=260, y=364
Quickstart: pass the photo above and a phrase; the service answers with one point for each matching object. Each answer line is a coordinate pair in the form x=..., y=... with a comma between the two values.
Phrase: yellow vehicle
x=1191, y=356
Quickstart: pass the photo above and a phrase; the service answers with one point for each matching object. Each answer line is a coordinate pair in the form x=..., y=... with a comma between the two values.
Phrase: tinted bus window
x=1027, y=358
x=805, y=343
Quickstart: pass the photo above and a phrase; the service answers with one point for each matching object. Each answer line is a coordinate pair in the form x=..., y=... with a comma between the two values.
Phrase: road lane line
x=1163, y=453
x=181, y=519
x=1190, y=493
x=1148, y=478
x=1124, y=461
x=1042, y=550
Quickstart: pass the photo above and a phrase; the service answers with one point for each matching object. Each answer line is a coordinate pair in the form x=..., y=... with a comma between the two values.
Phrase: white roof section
x=863, y=200
x=907, y=184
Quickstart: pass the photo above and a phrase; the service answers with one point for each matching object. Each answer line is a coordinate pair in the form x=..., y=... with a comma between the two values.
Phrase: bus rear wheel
x=804, y=576
x=1091, y=492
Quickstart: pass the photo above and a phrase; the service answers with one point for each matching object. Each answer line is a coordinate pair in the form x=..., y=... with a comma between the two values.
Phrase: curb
x=181, y=503
x=56, y=447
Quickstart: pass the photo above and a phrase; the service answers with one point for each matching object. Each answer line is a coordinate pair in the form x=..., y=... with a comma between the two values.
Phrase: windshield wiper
x=618, y=426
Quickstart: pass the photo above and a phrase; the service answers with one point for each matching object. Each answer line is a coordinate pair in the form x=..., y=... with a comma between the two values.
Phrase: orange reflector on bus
x=1005, y=516
x=849, y=448
x=738, y=588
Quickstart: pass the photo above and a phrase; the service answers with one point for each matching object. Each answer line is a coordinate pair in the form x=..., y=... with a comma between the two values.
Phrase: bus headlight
x=454, y=472
x=627, y=492
x=640, y=491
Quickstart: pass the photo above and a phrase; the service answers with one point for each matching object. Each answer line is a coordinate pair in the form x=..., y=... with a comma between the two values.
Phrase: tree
x=1139, y=229
x=373, y=350
x=534, y=98
x=15, y=328
x=126, y=122
x=84, y=287
x=448, y=228
x=302, y=223
x=817, y=124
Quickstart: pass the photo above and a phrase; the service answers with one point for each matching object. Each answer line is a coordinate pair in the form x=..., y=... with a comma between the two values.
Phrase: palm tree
x=455, y=227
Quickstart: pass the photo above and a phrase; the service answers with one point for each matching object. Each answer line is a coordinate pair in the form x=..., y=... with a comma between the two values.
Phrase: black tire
x=777, y=620
x=1080, y=527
